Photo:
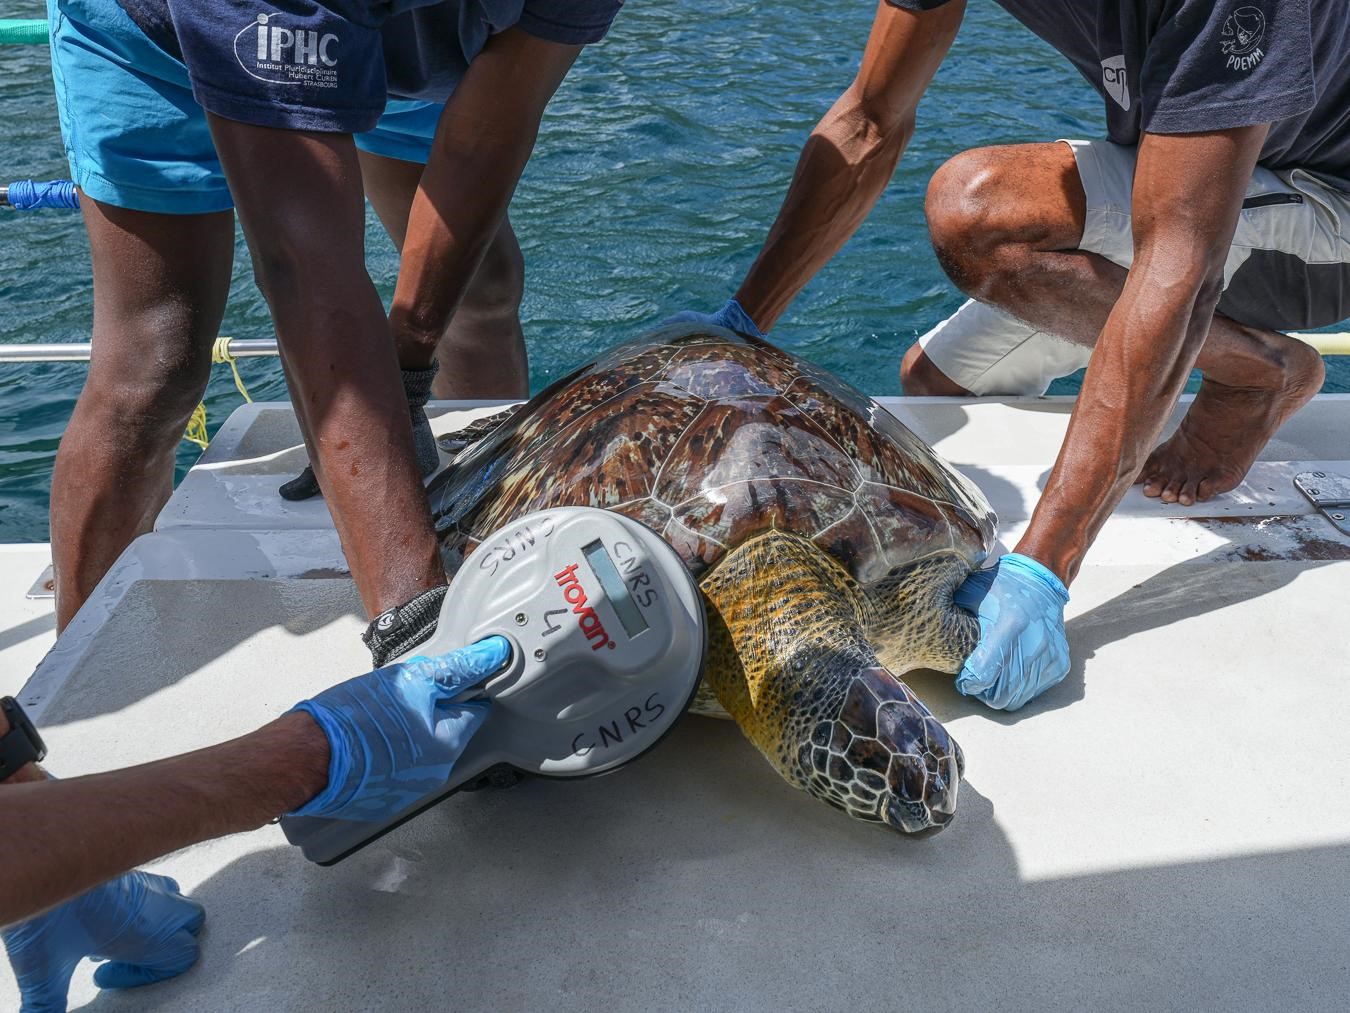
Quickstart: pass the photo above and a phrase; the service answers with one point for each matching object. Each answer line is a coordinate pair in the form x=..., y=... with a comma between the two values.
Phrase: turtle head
x=883, y=757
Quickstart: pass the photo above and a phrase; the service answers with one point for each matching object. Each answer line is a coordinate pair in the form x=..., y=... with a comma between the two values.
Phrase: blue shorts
x=404, y=131
x=134, y=135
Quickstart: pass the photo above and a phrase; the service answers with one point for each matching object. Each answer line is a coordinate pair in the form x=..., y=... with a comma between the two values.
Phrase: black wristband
x=22, y=744
x=394, y=633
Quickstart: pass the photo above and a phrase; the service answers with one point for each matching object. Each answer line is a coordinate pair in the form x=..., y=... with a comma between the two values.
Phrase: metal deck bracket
x=1329, y=492
x=44, y=587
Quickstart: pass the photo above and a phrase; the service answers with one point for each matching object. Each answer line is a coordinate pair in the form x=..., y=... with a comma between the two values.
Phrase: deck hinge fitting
x=44, y=588
x=1329, y=492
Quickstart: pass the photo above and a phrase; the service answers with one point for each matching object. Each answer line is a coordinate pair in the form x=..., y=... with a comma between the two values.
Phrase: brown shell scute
x=709, y=439
x=884, y=450
x=736, y=371
x=740, y=440
x=607, y=458
x=734, y=512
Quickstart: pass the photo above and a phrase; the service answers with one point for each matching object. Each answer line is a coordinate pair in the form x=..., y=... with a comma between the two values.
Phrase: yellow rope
x=196, y=427
x=220, y=352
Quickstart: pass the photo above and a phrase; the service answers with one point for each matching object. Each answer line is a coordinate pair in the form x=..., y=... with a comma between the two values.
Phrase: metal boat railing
x=79, y=351
x=254, y=348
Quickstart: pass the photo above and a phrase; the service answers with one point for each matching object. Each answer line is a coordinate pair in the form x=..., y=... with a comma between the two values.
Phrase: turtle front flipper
x=914, y=620
x=459, y=439
x=791, y=663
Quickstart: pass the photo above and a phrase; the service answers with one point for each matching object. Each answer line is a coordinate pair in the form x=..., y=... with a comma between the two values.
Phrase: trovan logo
x=1243, y=33
x=587, y=619
x=277, y=54
x=1117, y=81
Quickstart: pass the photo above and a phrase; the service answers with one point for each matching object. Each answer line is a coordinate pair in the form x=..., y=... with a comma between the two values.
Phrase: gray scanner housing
x=608, y=638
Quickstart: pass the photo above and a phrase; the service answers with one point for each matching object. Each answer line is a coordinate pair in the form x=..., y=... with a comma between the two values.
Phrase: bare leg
x=1006, y=223
x=482, y=353
x=920, y=377
x=160, y=285
x=299, y=199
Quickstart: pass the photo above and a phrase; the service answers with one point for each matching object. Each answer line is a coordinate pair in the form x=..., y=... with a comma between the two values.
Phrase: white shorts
x=1288, y=269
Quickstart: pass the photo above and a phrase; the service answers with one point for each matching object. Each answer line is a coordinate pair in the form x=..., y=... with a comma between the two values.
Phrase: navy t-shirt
x=1186, y=66
x=330, y=64
x=427, y=50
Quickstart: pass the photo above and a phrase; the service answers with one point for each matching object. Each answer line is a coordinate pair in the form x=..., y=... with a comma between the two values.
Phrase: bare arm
x=60, y=838
x=482, y=143
x=850, y=156
x=1188, y=192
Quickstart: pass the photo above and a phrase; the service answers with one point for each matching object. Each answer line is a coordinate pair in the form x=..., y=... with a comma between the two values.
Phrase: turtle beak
x=923, y=798
x=885, y=758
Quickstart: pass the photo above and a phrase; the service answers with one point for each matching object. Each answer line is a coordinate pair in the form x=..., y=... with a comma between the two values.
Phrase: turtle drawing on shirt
x=826, y=538
x=1243, y=31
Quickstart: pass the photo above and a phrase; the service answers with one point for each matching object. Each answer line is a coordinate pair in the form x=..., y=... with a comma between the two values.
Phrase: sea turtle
x=826, y=537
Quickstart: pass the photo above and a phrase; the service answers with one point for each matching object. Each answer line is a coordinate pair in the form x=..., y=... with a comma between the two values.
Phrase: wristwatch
x=22, y=744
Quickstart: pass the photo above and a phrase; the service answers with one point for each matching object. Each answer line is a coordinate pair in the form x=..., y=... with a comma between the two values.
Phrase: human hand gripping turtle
x=1022, y=650
x=732, y=316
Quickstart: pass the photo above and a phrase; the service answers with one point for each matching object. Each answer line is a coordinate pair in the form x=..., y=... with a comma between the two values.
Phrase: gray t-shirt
x=1186, y=66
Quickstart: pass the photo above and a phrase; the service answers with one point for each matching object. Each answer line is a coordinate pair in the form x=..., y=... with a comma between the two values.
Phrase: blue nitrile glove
x=1022, y=650
x=394, y=734
x=139, y=923
x=732, y=316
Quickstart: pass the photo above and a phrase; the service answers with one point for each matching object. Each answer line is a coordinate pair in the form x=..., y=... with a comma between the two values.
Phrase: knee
x=145, y=408
x=920, y=377
x=499, y=283
x=152, y=375
x=972, y=213
x=278, y=271
x=304, y=272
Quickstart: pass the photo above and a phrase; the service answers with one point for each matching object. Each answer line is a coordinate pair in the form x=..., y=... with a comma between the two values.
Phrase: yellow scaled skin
x=790, y=661
x=775, y=599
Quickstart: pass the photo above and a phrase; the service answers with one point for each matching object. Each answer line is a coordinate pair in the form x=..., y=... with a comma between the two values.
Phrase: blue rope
x=29, y=195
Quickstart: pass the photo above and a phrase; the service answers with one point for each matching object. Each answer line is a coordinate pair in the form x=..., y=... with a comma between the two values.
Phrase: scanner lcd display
x=597, y=556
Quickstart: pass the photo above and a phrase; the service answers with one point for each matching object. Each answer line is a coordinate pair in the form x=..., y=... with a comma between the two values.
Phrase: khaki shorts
x=1289, y=268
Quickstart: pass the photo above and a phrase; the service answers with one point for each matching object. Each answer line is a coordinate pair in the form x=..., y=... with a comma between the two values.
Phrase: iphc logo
x=279, y=54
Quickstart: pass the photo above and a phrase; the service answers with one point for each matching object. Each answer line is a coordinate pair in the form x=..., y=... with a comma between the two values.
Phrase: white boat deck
x=1168, y=829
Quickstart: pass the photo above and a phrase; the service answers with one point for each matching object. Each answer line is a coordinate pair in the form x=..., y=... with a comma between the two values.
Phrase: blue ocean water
x=660, y=165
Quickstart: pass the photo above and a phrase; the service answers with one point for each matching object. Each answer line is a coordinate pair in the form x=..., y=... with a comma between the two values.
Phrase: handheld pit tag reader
x=608, y=639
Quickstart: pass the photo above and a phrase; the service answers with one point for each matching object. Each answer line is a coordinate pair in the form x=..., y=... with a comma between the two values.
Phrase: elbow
x=1208, y=292
x=889, y=129
x=1196, y=286
x=875, y=127
x=1204, y=286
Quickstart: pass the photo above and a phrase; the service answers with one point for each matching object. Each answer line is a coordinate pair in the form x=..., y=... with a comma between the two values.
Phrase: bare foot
x=1226, y=427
